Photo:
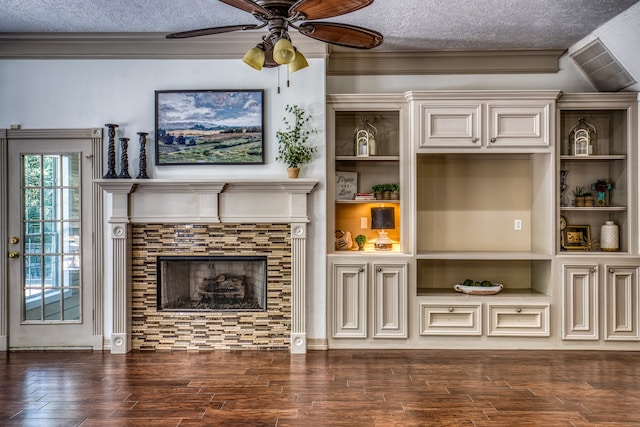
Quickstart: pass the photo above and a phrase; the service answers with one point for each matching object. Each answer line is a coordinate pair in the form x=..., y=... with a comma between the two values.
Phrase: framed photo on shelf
x=196, y=127
x=576, y=237
x=346, y=185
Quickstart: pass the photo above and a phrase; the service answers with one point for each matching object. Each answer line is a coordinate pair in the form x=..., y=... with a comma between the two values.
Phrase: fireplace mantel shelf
x=209, y=201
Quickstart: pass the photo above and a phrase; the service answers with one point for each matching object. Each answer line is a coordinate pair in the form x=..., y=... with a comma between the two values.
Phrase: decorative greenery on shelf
x=381, y=188
x=360, y=240
x=578, y=191
x=293, y=146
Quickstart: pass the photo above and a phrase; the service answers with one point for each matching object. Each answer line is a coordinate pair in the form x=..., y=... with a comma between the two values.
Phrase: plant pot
x=580, y=201
x=386, y=195
x=293, y=172
x=378, y=195
x=588, y=201
x=395, y=195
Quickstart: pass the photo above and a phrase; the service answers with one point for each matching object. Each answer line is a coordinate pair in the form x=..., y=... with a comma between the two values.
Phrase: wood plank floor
x=332, y=388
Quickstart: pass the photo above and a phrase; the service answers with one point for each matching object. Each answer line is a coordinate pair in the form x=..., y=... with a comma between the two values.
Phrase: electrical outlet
x=517, y=225
x=363, y=222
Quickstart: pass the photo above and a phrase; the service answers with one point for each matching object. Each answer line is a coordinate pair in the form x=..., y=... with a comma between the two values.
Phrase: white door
x=50, y=244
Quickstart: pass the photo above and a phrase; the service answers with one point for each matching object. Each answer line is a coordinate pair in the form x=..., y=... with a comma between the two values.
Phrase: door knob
x=14, y=254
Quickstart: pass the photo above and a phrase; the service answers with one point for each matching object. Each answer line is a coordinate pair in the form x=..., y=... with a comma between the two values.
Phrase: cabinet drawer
x=518, y=320
x=450, y=319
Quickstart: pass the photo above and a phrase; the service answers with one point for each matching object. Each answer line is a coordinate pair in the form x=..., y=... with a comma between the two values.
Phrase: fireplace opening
x=212, y=283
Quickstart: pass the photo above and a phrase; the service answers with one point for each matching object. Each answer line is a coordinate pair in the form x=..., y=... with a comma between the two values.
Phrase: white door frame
x=95, y=136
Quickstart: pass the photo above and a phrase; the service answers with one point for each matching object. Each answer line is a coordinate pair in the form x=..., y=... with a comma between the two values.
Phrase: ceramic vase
x=609, y=237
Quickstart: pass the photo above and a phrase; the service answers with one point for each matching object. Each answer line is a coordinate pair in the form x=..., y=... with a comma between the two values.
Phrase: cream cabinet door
x=449, y=125
x=580, y=302
x=621, y=304
x=520, y=125
x=348, y=300
x=390, y=301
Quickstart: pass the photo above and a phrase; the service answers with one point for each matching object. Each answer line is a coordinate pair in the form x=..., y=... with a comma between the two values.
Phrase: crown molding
x=140, y=46
x=347, y=62
x=341, y=61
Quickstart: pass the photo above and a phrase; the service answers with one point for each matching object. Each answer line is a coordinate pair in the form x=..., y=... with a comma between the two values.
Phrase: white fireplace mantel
x=203, y=201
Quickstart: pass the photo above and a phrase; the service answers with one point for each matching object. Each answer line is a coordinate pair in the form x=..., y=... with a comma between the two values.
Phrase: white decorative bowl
x=478, y=290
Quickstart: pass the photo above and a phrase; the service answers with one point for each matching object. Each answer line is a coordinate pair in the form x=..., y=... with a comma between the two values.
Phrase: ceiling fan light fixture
x=254, y=58
x=298, y=63
x=283, y=52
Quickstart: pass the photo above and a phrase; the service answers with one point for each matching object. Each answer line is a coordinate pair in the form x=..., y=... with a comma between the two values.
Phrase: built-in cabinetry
x=486, y=180
x=369, y=299
x=488, y=120
x=586, y=307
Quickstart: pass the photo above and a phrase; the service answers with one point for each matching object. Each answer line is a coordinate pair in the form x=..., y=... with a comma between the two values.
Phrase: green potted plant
x=394, y=191
x=293, y=142
x=579, y=197
x=360, y=240
x=378, y=189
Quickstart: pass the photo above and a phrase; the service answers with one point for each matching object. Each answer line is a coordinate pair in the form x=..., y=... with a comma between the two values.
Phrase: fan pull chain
x=278, y=79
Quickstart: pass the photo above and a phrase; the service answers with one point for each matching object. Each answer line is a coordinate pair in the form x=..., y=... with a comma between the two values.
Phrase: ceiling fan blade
x=342, y=34
x=247, y=5
x=321, y=9
x=209, y=31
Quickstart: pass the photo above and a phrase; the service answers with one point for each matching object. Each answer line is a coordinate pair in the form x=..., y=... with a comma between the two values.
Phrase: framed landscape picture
x=195, y=127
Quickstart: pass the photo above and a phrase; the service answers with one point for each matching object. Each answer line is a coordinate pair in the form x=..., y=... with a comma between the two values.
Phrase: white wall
x=90, y=93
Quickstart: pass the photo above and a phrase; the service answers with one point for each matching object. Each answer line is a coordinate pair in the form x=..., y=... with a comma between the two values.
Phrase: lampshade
x=298, y=63
x=283, y=52
x=254, y=58
x=383, y=218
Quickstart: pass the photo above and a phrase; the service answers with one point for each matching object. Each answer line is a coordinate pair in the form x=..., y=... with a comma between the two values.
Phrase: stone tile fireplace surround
x=150, y=218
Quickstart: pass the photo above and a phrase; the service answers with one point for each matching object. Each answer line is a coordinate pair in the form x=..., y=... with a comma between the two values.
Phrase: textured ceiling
x=407, y=24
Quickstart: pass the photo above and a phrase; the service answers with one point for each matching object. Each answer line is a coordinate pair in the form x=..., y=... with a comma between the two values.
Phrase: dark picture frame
x=576, y=237
x=196, y=127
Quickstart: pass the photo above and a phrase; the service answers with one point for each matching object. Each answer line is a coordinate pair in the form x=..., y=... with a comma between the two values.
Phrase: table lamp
x=383, y=219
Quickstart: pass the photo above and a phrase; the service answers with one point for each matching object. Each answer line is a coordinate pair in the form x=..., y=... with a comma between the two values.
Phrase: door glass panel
x=52, y=240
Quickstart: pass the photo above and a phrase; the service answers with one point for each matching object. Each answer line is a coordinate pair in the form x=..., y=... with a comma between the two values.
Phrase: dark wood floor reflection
x=334, y=388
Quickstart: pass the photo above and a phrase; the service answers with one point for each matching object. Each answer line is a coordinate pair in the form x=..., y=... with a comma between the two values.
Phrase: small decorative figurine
x=601, y=187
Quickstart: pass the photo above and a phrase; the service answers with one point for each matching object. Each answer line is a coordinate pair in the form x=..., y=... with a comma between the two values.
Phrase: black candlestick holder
x=143, y=155
x=111, y=153
x=124, y=158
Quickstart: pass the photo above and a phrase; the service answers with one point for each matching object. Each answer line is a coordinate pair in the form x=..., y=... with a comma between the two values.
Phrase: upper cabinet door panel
x=450, y=126
x=523, y=125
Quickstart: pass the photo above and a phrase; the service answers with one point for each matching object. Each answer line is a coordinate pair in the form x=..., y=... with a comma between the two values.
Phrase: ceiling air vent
x=602, y=68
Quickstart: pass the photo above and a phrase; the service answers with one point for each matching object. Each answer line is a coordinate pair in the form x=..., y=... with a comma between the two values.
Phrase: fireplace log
x=223, y=286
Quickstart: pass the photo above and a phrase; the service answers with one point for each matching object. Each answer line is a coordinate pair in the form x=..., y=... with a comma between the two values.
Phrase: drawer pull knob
x=379, y=269
x=450, y=309
x=612, y=270
x=361, y=270
x=493, y=139
x=518, y=310
x=475, y=139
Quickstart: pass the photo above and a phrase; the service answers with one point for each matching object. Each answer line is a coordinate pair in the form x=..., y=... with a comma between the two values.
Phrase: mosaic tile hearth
x=162, y=330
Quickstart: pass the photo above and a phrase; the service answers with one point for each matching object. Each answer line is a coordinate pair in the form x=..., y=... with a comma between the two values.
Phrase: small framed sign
x=346, y=185
x=576, y=238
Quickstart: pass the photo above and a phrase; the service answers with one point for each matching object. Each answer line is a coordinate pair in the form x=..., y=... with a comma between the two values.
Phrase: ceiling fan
x=302, y=15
